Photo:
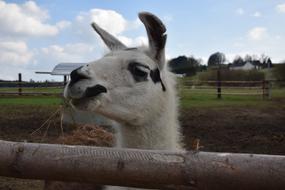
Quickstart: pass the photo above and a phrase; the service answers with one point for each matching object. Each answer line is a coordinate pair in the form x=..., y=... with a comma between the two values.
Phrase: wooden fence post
x=219, y=84
x=269, y=89
x=20, y=84
x=64, y=80
x=266, y=89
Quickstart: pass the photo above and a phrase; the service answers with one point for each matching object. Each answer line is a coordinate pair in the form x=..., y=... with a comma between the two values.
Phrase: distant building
x=246, y=66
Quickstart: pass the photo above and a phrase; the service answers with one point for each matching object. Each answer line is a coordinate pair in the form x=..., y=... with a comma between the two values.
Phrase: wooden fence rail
x=32, y=93
x=142, y=168
x=262, y=88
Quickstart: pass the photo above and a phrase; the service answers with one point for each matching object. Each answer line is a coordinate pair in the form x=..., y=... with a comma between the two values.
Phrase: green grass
x=188, y=98
x=41, y=89
x=208, y=98
x=30, y=100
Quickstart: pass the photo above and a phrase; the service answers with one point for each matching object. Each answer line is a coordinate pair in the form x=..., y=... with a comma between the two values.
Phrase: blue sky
x=36, y=35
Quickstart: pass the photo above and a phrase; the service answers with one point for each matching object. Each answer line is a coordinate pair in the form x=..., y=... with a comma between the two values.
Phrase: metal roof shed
x=65, y=68
x=62, y=69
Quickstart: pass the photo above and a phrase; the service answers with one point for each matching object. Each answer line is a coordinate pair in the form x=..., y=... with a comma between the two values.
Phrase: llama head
x=127, y=84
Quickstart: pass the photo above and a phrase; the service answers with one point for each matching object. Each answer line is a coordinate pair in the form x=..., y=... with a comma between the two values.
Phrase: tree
x=238, y=60
x=269, y=63
x=185, y=65
x=216, y=59
x=248, y=58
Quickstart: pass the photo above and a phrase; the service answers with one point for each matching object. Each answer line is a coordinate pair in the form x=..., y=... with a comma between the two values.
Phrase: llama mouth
x=80, y=101
x=95, y=91
x=90, y=94
x=84, y=102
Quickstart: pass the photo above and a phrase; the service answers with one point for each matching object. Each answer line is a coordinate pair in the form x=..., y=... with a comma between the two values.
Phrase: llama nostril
x=75, y=76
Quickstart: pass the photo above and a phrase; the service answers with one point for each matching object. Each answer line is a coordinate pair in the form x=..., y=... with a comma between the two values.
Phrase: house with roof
x=246, y=66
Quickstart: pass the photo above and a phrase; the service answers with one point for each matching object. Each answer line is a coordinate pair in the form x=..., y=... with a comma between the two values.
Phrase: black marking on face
x=155, y=76
x=138, y=74
x=95, y=90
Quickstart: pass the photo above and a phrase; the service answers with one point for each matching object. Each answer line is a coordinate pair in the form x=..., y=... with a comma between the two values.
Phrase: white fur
x=147, y=115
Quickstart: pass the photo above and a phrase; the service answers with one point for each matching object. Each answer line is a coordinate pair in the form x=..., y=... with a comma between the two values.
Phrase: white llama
x=133, y=87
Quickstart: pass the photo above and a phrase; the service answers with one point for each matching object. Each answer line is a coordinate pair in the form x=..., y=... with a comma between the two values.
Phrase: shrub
x=279, y=71
x=232, y=75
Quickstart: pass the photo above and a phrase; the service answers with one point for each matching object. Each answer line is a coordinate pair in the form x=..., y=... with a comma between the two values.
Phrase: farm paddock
x=250, y=129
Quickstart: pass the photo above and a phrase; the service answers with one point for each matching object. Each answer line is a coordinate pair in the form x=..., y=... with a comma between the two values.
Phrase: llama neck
x=161, y=133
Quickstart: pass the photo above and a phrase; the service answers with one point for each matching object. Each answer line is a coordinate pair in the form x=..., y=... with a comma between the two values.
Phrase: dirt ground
x=223, y=129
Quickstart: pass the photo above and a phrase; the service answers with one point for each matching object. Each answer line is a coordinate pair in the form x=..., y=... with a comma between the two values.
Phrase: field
x=32, y=89
x=233, y=124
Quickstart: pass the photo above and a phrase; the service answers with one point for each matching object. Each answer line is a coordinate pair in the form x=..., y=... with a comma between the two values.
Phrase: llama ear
x=112, y=42
x=156, y=36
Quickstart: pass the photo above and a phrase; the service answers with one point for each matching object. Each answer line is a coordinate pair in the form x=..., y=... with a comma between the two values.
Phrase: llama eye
x=139, y=71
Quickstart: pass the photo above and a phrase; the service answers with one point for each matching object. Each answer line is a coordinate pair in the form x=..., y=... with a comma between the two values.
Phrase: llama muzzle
x=95, y=91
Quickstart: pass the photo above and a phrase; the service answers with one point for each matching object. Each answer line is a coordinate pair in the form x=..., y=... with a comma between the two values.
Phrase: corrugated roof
x=65, y=68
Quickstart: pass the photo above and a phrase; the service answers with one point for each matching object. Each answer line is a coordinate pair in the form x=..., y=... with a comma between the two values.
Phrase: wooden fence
x=19, y=88
x=142, y=168
x=222, y=88
x=239, y=88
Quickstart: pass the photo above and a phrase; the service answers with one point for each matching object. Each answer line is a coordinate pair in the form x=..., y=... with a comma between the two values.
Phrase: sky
x=37, y=35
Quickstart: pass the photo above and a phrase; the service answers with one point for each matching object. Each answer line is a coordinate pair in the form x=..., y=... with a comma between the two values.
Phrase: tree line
x=189, y=66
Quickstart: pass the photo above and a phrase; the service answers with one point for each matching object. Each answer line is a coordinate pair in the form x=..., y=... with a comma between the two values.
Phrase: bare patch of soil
x=246, y=129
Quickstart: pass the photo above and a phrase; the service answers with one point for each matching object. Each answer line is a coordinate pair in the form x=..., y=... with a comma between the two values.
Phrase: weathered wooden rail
x=32, y=94
x=255, y=88
x=142, y=168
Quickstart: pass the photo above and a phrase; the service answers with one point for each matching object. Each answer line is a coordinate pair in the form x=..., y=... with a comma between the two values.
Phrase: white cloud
x=32, y=9
x=257, y=14
x=30, y=20
x=257, y=33
x=240, y=11
x=63, y=24
x=109, y=20
x=14, y=57
x=14, y=53
x=26, y=19
x=281, y=8
x=131, y=42
x=258, y=41
x=43, y=59
x=76, y=52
